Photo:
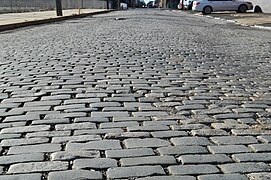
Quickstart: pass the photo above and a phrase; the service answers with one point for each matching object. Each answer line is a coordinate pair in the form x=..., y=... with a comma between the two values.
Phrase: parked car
x=123, y=6
x=208, y=6
x=188, y=4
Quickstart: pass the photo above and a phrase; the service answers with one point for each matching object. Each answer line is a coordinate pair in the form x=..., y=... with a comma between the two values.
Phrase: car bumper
x=196, y=8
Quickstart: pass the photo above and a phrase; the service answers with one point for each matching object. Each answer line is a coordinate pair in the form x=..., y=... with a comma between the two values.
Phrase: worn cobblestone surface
x=137, y=94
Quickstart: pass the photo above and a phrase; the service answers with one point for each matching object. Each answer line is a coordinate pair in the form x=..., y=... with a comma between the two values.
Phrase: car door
x=221, y=5
x=214, y=4
x=228, y=5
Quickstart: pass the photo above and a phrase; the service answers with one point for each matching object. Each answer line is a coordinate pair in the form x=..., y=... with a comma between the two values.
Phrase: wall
x=40, y=5
x=265, y=5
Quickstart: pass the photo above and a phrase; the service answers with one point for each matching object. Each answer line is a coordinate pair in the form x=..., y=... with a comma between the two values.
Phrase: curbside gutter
x=50, y=20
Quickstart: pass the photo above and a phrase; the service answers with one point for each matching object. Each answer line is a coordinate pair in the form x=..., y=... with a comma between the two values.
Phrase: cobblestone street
x=137, y=94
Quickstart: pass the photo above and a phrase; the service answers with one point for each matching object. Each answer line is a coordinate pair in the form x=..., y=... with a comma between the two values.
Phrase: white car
x=208, y=6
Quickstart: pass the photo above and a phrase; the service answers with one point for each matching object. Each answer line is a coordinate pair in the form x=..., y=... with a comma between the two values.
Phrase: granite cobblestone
x=135, y=94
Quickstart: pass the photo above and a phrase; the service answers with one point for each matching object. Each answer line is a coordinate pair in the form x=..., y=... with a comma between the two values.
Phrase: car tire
x=242, y=8
x=207, y=10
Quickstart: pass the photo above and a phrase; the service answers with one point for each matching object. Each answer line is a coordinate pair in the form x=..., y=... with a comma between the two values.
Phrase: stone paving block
x=147, y=142
x=23, y=141
x=151, y=108
x=70, y=155
x=120, y=99
x=149, y=113
x=108, y=109
x=91, y=95
x=167, y=104
x=125, y=153
x=9, y=136
x=231, y=140
x=75, y=174
x=179, y=150
x=190, y=141
x=189, y=127
x=9, y=105
x=94, y=145
x=121, y=119
x=50, y=121
x=234, y=116
x=205, y=159
x=192, y=169
x=37, y=108
x=82, y=138
x=48, y=134
x=125, y=135
x=55, y=115
x=247, y=121
x=88, y=109
x=46, y=147
x=136, y=104
x=95, y=163
x=148, y=160
x=81, y=101
x=251, y=132
x=264, y=139
x=32, y=176
x=260, y=147
x=252, y=157
x=12, y=124
x=244, y=167
x=25, y=129
x=251, y=105
x=91, y=119
x=223, y=177
x=189, y=107
x=259, y=176
x=75, y=126
x=37, y=167
x=168, y=178
x=247, y=110
x=42, y=103
x=98, y=131
x=160, y=122
x=209, y=132
x=135, y=171
x=12, y=159
x=229, y=126
x=228, y=149
x=148, y=128
x=19, y=100
x=110, y=114
x=70, y=106
x=168, y=134
x=105, y=104
x=118, y=124
x=55, y=97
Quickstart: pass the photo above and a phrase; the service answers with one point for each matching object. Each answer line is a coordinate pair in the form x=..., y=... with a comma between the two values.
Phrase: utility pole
x=58, y=8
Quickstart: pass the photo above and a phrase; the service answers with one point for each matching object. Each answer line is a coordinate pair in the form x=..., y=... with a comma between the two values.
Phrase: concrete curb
x=51, y=20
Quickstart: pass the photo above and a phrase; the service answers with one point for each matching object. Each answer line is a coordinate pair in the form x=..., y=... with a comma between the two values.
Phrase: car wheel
x=207, y=10
x=242, y=8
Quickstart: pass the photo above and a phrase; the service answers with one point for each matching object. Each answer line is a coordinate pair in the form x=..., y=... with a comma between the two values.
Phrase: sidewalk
x=246, y=19
x=16, y=20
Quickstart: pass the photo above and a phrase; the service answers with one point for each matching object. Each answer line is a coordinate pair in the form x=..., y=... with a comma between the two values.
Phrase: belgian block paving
x=139, y=94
